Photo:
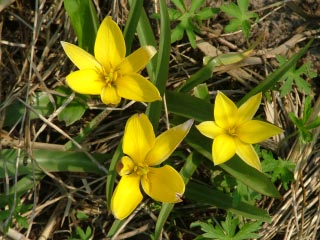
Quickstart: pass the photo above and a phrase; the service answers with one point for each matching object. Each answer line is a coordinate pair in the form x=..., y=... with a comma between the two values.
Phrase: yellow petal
x=126, y=166
x=135, y=87
x=80, y=57
x=86, y=81
x=138, y=137
x=210, y=129
x=255, y=131
x=137, y=60
x=225, y=111
x=247, y=153
x=109, y=48
x=249, y=108
x=109, y=95
x=126, y=196
x=163, y=184
x=167, y=142
x=223, y=148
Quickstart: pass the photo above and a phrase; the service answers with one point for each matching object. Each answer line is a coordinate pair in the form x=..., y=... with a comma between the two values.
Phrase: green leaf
x=41, y=103
x=74, y=110
x=131, y=24
x=186, y=172
x=233, y=26
x=206, y=13
x=205, y=195
x=232, y=10
x=243, y=6
x=112, y=173
x=192, y=37
x=201, y=91
x=84, y=21
x=274, y=77
x=173, y=14
x=51, y=161
x=179, y=4
x=161, y=74
x=247, y=231
x=188, y=106
x=177, y=33
x=195, y=5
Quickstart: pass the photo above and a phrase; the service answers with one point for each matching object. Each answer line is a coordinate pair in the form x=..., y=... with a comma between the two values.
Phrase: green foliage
x=305, y=124
x=230, y=229
x=84, y=21
x=295, y=75
x=189, y=19
x=277, y=169
x=73, y=111
x=241, y=17
x=17, y=213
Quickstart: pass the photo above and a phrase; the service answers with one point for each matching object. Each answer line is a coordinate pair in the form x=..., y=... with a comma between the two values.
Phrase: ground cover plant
x=159, y=120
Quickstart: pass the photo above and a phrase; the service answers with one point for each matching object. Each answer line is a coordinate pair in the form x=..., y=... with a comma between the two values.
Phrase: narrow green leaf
x=115, y=227
x=199, y=77
x=186, y=172
x=231, y=9
x=132, y=22
x=161, y=75
x=146, y=37
x=188, y=106
x=206, y=195
x=179, y=4
x=273, y=78
x=51, y=161
x=24, y=184
x=207, y=13
x=112, y=173
x=195, y=5
x=243, y=6
x=84, y=21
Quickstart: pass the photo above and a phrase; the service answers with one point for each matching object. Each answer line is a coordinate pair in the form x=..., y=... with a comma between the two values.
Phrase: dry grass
x=32, y=60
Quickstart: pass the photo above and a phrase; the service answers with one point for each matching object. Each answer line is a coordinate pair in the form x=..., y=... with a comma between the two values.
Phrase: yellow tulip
x=109, y=73
x=234, y=131
x=143, y=153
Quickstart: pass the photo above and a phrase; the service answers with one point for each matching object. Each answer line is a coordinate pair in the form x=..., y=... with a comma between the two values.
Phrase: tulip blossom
x=143, y=153
x=234, y=131
x=109, y=73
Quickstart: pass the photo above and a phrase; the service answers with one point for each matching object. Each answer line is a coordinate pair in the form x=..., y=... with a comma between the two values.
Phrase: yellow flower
x=234, y=131
x=109, y=73
x=142, y=152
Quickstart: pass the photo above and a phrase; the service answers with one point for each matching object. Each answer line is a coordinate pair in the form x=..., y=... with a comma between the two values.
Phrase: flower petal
x=86, y=81
x=247, y=153
x=109, y=95
x=255, y=131
x=163, y=184
x=167, y=142
x=223, y=148
x=225, y=111
x=126, y=196
x=249, y=108
x=210, y=129
x=109, y=48
x=135, y=87
x=138, y=137
x=126, y=166
x=137, y=60
x=80, y=57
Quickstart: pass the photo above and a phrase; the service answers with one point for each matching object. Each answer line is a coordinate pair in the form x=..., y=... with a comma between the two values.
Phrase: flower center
x=232, y=131
x=141, y=169
x=111, y=76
